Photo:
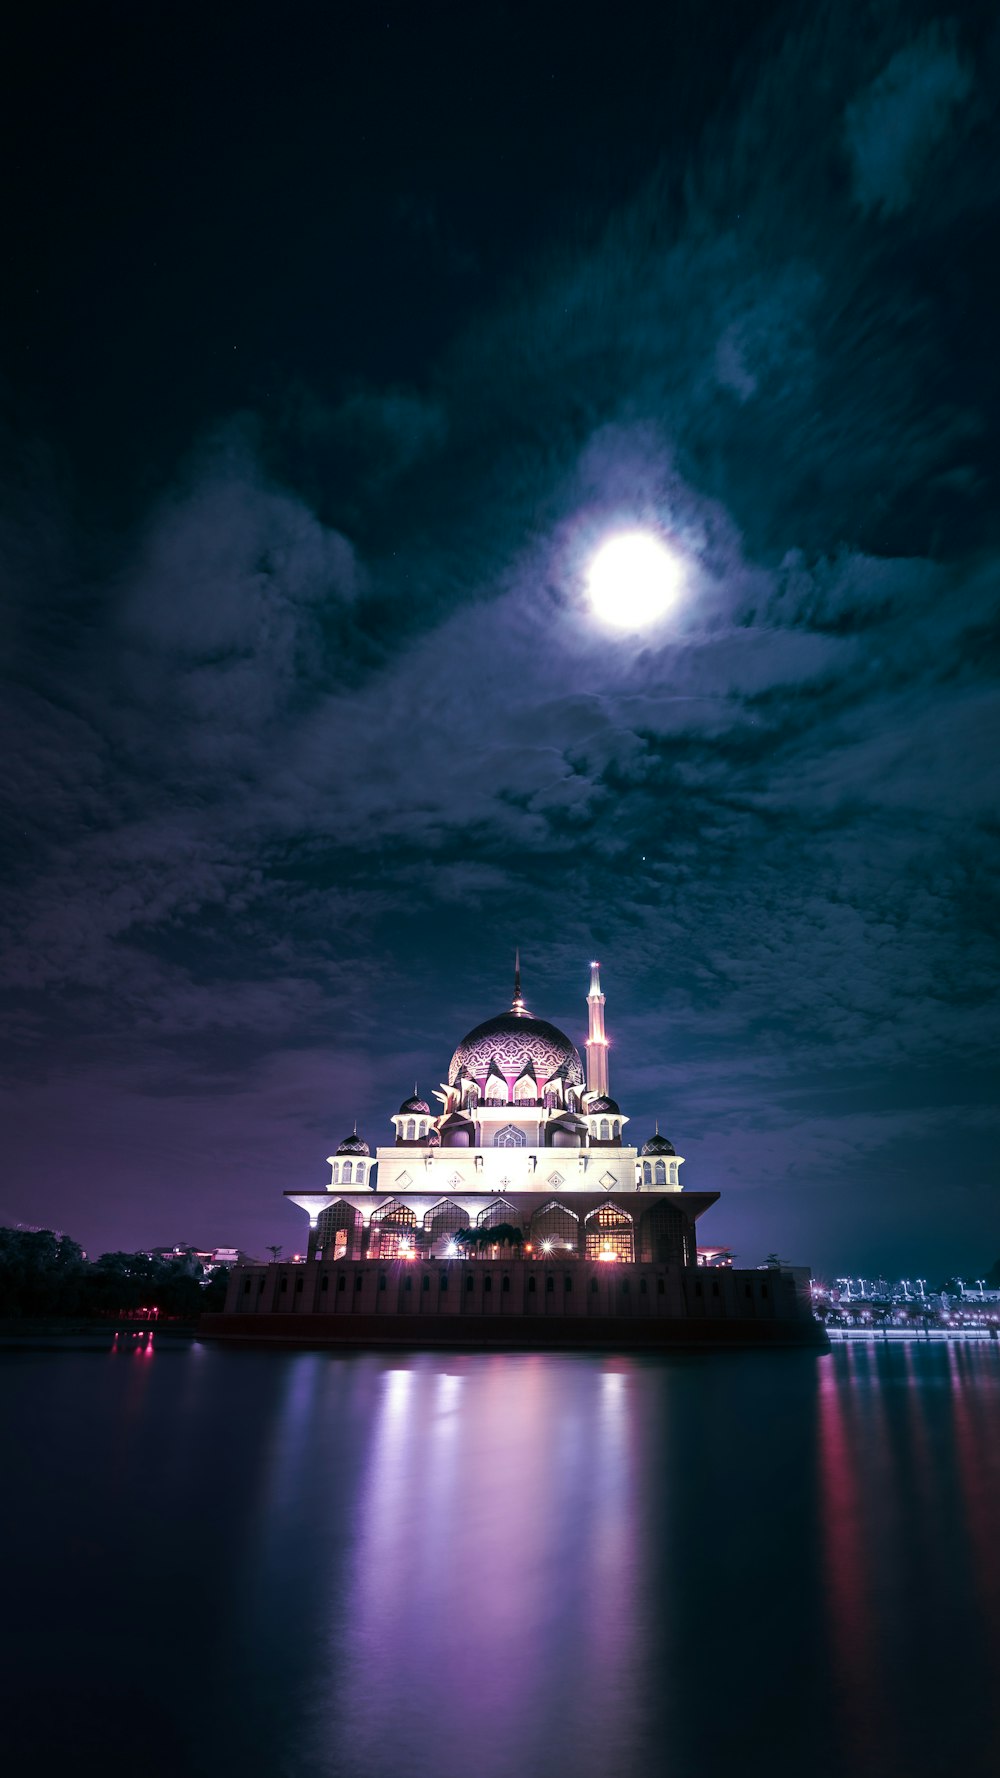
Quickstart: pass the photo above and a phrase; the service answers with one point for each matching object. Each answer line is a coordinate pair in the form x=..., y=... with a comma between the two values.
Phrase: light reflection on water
x=309, y=1563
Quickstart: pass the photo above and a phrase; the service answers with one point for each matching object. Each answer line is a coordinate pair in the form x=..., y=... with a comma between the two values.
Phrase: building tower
x=597, y=1043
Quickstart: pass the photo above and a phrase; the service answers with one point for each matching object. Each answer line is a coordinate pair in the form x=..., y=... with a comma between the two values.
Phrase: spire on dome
x=517, y=1004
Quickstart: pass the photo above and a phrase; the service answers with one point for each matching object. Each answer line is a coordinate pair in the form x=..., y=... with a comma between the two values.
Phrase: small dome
x=353, y=1144
x=657, y=1145
x=602, y=1104
x=414, y=1104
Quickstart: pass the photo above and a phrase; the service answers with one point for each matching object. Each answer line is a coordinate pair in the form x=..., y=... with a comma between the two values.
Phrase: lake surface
x=497, y=1566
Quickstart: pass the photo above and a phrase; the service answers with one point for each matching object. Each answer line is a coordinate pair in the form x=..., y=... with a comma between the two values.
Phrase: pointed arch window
x=510, y=1137
x=441, y=1221
x=647, y=1173
x=558, y=1224
x=389, y=1228
x=411, y=1130
x=347, y=1172
x=336, y=1172
x=499, y=1211
x=605, y=1130
x=497, y=1092
x=609, y=1233
x=526, y=1090
x=661, y=1172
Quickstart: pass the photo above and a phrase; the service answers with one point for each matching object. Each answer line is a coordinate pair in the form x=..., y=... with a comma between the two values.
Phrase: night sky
x=336, y=337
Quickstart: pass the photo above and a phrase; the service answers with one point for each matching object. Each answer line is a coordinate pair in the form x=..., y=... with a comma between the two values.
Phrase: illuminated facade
x=515, y=1193
x=521, y=1136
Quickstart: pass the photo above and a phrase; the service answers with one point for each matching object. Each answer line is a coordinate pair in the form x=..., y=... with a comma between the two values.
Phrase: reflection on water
x=309, y=1563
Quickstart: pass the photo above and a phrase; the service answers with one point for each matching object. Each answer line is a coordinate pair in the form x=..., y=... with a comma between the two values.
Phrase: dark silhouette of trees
x=43, y=1273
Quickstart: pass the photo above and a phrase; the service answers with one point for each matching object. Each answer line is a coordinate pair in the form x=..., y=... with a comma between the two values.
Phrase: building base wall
x=504, y=1332
x=424, y=1301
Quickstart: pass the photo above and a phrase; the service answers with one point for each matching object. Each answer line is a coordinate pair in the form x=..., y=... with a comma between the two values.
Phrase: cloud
x=893, y=127
x=290, y=772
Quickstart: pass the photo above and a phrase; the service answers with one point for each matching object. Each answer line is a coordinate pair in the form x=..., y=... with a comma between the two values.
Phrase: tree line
x=44, y=1273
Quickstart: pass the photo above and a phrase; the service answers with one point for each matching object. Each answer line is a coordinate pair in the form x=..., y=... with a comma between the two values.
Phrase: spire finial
x=517, y=1004
x=657, y=1126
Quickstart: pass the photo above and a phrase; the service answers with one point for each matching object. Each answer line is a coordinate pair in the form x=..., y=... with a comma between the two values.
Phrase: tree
x=41, y=1272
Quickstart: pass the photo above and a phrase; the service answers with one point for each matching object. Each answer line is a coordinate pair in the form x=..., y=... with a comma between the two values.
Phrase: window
x=411, y=1130
x=426, y=1284
x=556, y=1223
x=647, y=1173
x=284, y=1284
x=338, y=1231
x=526, y=1090
x=298, y=1286
x=409, y=1283
x=763, y=1290
x=359, y=1172
x=510, y=1137
x=506, y=1284
x=660, y=1287
x=341, y=1282
x=532, y=1286
x=643, y=1287
x=381, y=1280
x=260, y=1284
x=673, y=1172
x=697, y=1289
x=609, y=1233
x=336, y=1172
x=501, y=1210
x=470, y=1283
x=746, y=1290
x=715, y=1287
x=661, y=1172
x=605, y=1130
x=443, y=1280
x=487, y=1282
x=358, y=1281
x=616, y=1130
x=246, y=1287
x=550, y=1285
x=625, y=1287
x=496, y=1091
x=443, y=1219
x=593, y=1286
x=324, y=1283
x=567, y=1285
x=390, y=1227
x=347, y=1172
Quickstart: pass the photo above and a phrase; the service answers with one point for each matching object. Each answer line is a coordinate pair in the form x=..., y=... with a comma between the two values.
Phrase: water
x=296, y=1564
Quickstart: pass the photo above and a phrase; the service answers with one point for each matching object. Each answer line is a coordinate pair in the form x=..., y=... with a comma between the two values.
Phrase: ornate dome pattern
x=353, y=1144
x=413, y=1104
x=602, y=1104
x=657, y=1145
x=513, y=1040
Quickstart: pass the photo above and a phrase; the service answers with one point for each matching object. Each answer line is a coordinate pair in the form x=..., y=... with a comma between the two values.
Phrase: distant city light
x=633, y=579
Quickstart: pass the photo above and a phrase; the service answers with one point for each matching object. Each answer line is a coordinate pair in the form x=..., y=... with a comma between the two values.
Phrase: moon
x=632, y=580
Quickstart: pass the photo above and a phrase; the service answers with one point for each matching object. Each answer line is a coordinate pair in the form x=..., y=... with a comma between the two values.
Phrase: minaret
x=597, y=1043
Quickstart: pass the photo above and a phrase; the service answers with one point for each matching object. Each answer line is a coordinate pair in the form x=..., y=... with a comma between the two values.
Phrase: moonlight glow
x=632, y=580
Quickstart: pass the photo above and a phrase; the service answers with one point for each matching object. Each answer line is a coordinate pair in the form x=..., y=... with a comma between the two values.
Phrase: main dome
x=513, y=1040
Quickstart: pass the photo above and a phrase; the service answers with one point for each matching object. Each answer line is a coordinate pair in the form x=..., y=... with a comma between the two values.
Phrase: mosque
x=515, y=1200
